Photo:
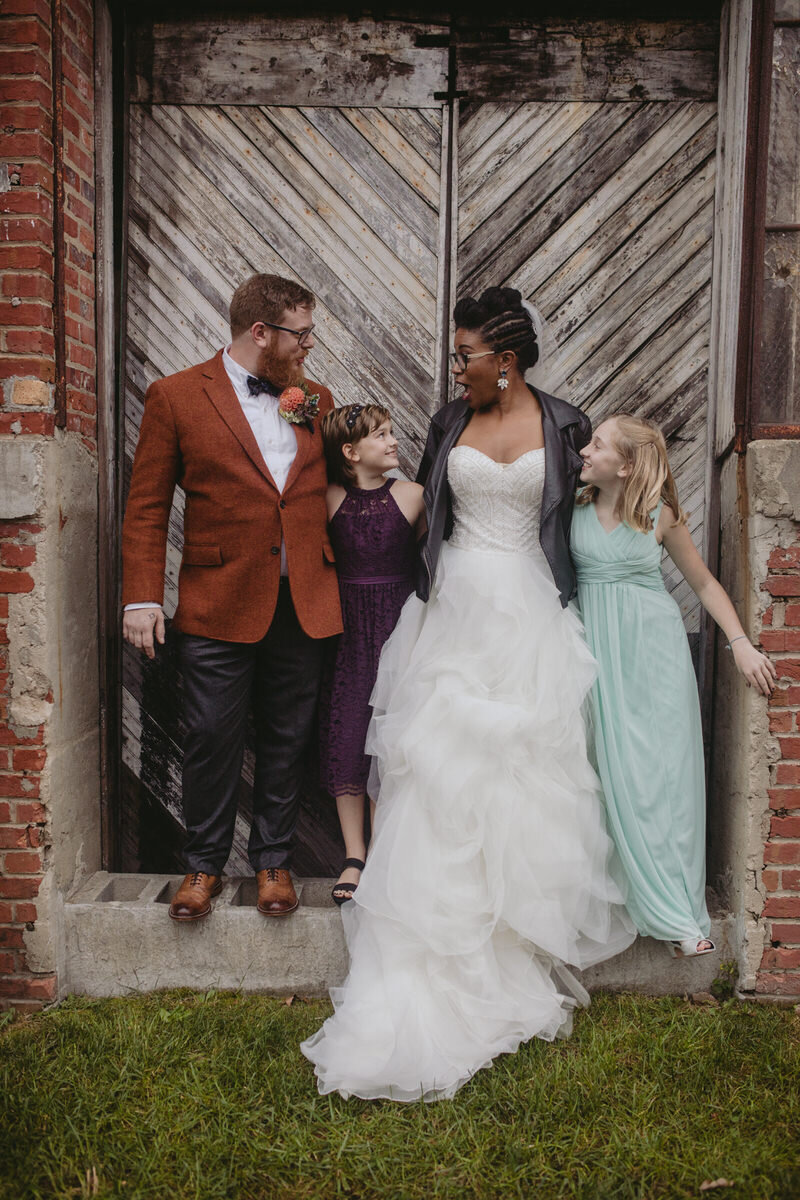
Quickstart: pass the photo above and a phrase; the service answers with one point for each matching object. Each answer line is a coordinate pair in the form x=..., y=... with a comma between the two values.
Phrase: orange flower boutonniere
x=299, y=405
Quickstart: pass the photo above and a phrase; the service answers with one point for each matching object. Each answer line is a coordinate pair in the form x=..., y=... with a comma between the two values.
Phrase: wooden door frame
x=111, y=83
x=110, y=192
x=750, y=424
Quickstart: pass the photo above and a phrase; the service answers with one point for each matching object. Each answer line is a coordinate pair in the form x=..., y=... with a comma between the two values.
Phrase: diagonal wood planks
x=345, y=200
x=599, y=212
x=602, y=215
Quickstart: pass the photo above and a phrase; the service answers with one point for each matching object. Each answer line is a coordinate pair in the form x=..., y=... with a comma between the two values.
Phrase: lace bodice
x=496, y=506
x=371, y=537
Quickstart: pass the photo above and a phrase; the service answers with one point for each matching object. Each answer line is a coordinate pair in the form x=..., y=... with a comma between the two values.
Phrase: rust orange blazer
x=194, y=433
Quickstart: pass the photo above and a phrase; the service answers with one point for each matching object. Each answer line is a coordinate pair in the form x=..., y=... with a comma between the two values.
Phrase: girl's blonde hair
x=641, y=444
x=346, y=426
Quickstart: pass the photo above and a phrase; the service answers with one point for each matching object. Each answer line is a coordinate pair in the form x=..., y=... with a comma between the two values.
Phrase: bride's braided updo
x=502, y=321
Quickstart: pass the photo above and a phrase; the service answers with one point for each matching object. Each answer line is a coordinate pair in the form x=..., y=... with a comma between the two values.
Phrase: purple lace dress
x=375, y=557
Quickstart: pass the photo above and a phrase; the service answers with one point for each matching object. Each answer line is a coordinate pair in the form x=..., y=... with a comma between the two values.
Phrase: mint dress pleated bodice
x=646, y=717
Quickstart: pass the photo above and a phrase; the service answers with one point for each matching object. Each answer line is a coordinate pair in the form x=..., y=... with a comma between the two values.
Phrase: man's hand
x=140, y=624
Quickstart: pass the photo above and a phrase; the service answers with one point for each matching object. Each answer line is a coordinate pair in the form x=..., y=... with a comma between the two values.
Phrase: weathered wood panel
x=734, y=79
x=255, y=60
x=329, y=61
x=348, y=202
x=589, y=60
x=603, y=217
x=219, y=193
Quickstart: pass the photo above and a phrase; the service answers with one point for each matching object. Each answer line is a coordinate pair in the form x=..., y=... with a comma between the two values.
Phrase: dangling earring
x=502, y=382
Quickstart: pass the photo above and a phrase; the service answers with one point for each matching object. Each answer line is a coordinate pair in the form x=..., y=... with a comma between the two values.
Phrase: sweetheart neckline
x=494, y=461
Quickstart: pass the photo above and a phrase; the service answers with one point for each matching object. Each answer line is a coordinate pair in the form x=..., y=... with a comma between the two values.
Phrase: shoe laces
x=197, y=876
x=272, y=874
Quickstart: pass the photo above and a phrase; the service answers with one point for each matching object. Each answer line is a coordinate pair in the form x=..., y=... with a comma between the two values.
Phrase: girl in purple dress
x=372, y=523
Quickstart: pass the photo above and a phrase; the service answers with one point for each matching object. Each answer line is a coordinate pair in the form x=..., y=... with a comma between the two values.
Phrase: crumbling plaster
x=53, y=661
x=759, y=510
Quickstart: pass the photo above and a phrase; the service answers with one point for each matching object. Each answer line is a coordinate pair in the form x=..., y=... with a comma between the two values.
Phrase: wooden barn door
x=381, y=180
x=600, y=209
x=305, y=165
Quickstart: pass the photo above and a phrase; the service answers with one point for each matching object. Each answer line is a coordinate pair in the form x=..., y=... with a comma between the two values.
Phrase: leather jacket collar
x=566, y=430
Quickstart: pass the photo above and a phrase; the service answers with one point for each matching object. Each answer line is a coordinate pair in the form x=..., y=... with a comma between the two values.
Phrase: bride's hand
x=755, y=666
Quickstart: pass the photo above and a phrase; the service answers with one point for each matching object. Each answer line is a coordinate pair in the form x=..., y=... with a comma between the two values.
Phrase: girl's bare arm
x=408, y=498
x=755, y=666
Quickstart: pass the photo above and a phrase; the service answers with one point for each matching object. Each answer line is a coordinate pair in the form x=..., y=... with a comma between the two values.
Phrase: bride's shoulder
x=561, y=411
x=448, y=414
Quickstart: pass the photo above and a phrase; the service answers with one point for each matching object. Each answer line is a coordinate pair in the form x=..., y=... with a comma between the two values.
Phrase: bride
x=489, y=864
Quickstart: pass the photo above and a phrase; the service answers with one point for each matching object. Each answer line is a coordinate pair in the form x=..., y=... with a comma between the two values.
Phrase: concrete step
x=119, y=939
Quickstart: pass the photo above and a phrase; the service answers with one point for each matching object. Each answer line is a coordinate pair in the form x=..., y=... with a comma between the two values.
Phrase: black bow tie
x=256, y=385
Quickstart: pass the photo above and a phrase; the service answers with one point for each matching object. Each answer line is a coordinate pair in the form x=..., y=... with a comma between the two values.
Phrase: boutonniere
x=299, y=405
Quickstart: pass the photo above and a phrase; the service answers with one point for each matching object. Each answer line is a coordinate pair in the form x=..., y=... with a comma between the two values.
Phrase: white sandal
x=690, y=947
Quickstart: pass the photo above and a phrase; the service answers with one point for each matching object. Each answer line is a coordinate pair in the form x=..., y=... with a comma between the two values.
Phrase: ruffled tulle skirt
x=490, y=867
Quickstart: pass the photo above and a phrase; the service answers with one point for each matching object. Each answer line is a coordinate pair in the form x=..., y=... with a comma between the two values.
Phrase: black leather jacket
x=566, y=431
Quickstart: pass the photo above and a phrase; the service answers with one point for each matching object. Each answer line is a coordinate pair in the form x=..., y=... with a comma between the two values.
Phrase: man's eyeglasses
x=461, y=361
x=302, y=335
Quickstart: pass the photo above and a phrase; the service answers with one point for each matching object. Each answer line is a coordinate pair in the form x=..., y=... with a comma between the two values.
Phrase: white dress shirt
x=274, y=436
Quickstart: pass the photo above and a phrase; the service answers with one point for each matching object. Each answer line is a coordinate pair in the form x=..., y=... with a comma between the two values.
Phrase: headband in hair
x=353, y=415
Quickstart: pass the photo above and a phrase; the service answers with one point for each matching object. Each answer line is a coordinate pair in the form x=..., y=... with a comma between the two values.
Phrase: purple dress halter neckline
x=375, y=557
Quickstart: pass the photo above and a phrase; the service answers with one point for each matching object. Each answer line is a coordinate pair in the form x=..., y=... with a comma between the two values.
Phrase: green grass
x=203, y=1097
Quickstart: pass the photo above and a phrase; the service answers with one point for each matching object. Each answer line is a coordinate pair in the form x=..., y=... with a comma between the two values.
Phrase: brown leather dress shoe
x=193, y=898
x=276, y=894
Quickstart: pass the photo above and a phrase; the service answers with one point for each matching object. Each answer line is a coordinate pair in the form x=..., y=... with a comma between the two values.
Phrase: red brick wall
x=36, y=279
x=780, y=637
x=27, y=293
x=77, y=45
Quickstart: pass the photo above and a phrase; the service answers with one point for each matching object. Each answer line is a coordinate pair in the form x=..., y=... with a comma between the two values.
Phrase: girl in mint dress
x=646, y=713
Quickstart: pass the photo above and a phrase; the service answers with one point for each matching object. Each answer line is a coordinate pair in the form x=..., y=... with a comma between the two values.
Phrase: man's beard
x=281, y=372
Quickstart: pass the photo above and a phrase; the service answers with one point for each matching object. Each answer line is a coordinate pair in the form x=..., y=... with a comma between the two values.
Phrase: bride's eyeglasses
x=462, y=361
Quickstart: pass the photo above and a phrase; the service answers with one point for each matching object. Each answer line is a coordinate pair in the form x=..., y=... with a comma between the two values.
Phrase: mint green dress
x=647, y=733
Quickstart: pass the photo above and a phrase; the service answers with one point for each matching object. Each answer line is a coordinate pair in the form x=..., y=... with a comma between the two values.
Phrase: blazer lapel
x=304, y=439
x=221, y=394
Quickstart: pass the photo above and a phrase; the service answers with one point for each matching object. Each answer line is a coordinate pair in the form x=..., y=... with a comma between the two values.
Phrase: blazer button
x=282, y=504
x=275, y=550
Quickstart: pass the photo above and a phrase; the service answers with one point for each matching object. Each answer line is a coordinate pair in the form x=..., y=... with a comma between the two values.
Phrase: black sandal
x=347, y=887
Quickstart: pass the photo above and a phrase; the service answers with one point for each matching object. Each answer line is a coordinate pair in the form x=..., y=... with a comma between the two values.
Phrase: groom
x=257, y=588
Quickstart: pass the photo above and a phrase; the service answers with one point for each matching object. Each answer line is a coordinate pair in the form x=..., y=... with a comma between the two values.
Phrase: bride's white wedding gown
x=489, y=864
